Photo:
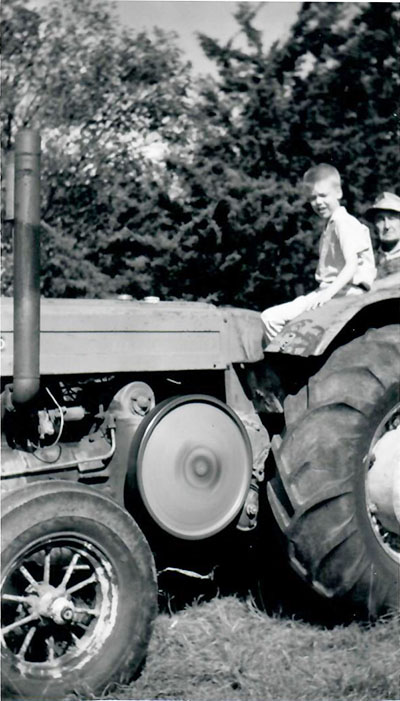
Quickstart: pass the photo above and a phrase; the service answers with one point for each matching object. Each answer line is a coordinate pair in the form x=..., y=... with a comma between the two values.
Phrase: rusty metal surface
x=94, y=336
x=312, y=332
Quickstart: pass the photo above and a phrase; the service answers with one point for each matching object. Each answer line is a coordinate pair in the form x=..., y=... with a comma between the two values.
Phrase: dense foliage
x=157, y=182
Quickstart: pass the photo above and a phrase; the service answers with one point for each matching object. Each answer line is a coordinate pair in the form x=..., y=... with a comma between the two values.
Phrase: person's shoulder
x=342, y=215
x=344, y=221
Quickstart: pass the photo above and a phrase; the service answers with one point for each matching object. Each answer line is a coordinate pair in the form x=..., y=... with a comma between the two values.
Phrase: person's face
x=324, y=197
x=388, y=228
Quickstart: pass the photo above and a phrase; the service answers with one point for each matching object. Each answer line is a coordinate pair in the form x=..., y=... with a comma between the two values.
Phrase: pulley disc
x=194, y=465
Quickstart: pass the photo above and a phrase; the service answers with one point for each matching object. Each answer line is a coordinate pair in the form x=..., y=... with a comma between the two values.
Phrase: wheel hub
x=49, y=602
x=201, y=467
x=383, y=481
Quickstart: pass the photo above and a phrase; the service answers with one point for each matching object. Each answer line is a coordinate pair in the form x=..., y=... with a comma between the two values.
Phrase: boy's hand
x=321, y=298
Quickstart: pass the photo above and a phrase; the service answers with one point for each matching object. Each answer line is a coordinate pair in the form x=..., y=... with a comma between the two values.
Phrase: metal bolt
x=67, y=614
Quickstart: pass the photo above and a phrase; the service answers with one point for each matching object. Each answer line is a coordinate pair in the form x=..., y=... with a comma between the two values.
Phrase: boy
x=346, y=261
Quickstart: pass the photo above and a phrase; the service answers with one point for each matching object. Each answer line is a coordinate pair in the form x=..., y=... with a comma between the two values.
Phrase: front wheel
x=339, y=540
x=78, y=591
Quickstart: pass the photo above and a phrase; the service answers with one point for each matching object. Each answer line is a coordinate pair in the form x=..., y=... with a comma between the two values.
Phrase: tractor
x=126, y=420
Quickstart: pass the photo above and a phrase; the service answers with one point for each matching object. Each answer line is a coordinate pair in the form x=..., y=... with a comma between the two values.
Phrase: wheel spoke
x=81, y=585
x=77, y=641
x=46, y=569
x=84, y=626
x=50, y=649
x=28, y=576
x=91, y=612
x=27, y=640
x=19, y=623
x=14, y=597
x=70, y=569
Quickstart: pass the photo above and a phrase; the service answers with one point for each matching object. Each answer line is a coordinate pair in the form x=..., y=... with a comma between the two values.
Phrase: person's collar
x=393, y=253
x=336, y=214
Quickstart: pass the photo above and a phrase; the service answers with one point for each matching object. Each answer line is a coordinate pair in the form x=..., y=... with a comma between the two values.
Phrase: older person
x=385, y=216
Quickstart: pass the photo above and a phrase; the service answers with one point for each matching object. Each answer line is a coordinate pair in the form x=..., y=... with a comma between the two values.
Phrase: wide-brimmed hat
x=387, y=201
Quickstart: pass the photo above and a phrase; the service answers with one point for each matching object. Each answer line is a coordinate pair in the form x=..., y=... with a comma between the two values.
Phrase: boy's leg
x=275, y=318
x=354, y=290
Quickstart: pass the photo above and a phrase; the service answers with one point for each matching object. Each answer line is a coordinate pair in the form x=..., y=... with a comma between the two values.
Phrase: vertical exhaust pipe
x=26, y=379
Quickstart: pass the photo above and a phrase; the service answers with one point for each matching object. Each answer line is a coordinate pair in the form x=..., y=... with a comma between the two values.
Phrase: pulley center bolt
x=201, y=467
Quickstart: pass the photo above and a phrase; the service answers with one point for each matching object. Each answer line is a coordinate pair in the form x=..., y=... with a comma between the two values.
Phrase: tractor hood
x=97, y=336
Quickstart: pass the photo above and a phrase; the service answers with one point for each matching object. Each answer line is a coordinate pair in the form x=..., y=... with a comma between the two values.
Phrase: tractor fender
x=312, y=332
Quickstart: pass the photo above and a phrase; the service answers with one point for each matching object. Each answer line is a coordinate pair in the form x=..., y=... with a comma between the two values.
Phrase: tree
x=105, y=102
x=341, y=65
x=154, y=183
x=330, y=93
x=242, y=171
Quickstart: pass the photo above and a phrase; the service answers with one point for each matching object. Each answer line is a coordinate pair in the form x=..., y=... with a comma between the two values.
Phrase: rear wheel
x=78, y=591
x=339, y=540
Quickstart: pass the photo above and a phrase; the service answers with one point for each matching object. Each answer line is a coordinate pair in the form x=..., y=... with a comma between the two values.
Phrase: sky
x=211, y=17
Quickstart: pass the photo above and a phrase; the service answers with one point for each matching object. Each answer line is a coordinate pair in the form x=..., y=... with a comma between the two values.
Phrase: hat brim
x=369, y=214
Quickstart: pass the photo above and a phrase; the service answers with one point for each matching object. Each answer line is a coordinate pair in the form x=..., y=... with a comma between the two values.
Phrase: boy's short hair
x=322, y=171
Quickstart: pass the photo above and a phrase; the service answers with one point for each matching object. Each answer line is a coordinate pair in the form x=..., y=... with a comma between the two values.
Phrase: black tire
x=319, y=493
x=56, y=534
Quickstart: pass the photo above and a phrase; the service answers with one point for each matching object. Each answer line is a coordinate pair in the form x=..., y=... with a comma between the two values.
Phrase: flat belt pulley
x=193, y=465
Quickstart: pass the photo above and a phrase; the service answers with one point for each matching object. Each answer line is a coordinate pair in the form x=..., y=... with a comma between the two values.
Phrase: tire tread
x=327, y=432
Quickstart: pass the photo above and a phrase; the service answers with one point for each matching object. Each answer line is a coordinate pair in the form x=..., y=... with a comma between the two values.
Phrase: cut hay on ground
x=228, y=650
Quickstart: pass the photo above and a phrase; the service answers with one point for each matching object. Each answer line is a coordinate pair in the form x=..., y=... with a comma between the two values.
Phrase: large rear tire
x=78, y=591
x=319, y=494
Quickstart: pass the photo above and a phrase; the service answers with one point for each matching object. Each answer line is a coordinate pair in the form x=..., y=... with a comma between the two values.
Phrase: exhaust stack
x=26, y=371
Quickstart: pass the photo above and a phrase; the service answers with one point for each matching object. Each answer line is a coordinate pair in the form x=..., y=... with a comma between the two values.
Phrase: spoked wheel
x=78, y=591
x=58, y=601
x=192, y=463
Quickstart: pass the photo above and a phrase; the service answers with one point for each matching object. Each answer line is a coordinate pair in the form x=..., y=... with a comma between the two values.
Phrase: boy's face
x=324, y=197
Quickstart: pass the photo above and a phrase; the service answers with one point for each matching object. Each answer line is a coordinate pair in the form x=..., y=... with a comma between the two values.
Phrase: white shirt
x=341, y=227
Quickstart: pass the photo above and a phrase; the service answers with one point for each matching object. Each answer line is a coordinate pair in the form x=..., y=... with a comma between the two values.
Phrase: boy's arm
x=345, y=276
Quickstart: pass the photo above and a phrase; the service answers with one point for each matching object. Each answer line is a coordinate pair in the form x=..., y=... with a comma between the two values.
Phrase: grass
x=211, y=642
x=227, y=649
